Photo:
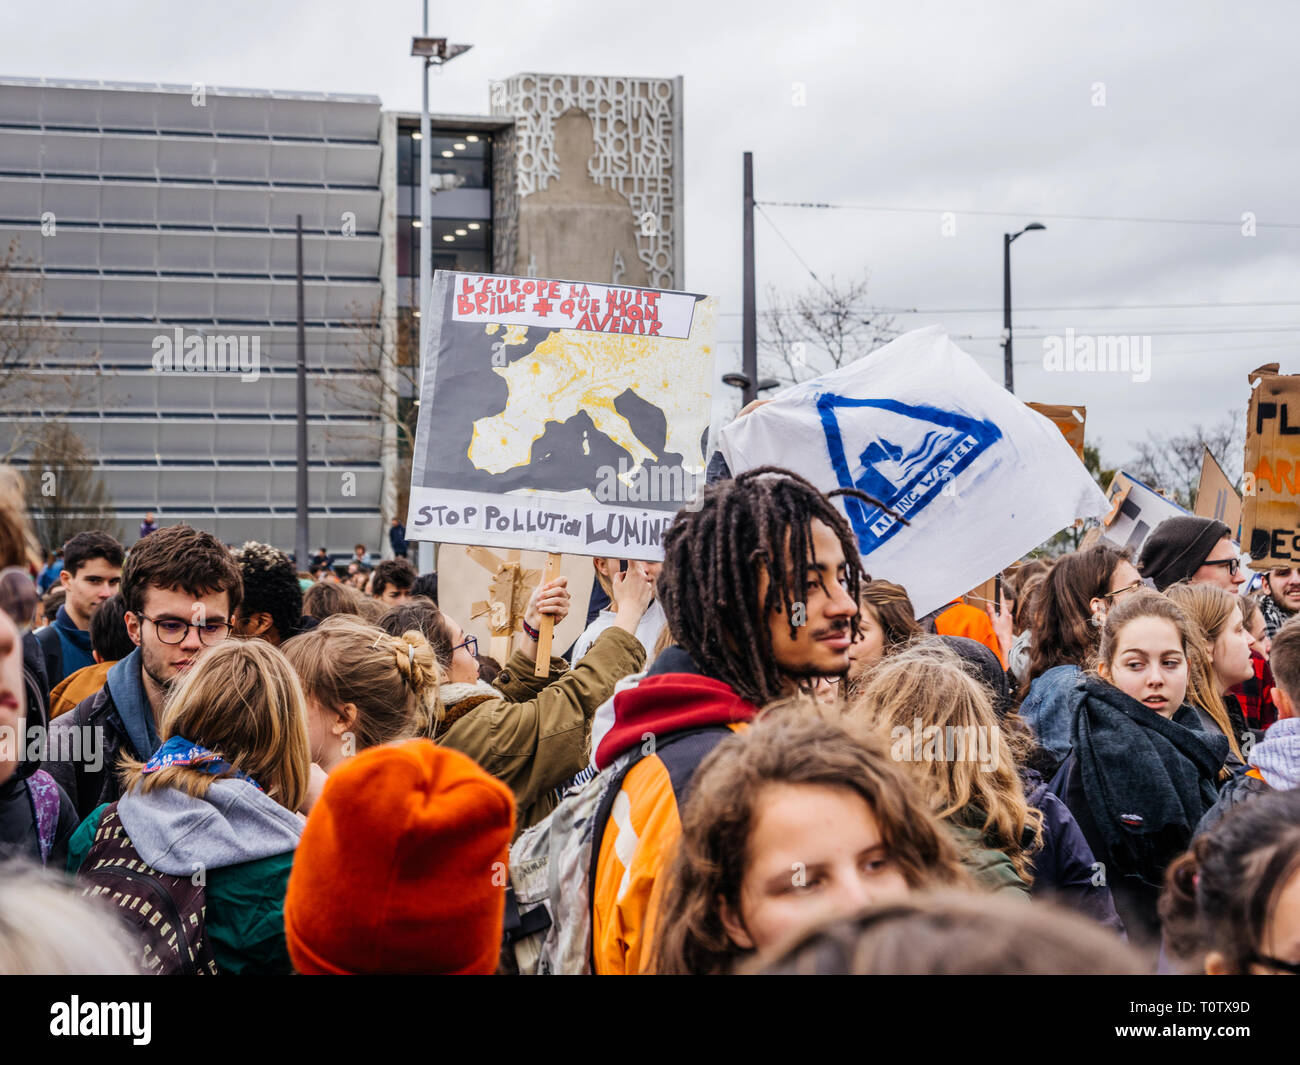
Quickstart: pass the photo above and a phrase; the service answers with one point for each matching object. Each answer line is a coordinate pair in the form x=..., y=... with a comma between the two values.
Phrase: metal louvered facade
x=158, y=213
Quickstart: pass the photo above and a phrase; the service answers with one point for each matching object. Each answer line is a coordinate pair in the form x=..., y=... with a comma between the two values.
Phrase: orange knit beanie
x=402, y=866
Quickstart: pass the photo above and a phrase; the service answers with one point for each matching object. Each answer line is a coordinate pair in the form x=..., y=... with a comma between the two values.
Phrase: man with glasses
x=1192, y=549
x=181, y=588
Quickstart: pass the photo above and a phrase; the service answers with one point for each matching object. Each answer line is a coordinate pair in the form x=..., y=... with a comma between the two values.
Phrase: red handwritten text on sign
x=572, y=305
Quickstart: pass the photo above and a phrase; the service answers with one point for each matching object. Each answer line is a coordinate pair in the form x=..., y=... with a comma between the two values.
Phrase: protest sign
x=1067, y=417
x=1216, y=497
x=487, y=590
x=979, y=477
x=1270, y=520
x=1135, y=509
x=560, y=416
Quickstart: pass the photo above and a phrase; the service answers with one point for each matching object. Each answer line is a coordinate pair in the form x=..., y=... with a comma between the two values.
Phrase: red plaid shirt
x=1256, y=695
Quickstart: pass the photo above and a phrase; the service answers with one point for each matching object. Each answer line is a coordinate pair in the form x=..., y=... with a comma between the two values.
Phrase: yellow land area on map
x=570, y=372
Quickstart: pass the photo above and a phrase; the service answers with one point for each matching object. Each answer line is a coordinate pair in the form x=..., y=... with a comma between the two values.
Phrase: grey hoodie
x=235, y=822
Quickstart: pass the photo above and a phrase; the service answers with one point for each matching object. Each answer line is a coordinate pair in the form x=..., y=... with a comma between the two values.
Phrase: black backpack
x=166, y=913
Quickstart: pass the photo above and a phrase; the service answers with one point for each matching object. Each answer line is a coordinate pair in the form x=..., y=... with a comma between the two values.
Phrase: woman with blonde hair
x=205, y=830
x=886, y=624
x=942, y=727
x=1219, y=661
x=363, y=687
x=798, y=818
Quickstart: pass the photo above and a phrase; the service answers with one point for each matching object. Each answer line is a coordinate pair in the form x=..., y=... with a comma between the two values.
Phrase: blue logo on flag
x=903, y=458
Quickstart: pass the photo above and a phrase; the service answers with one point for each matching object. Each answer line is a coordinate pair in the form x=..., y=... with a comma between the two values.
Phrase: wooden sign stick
x=546, y=630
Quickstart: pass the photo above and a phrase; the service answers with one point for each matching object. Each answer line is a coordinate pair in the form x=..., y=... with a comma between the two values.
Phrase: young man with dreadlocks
x=760, y=589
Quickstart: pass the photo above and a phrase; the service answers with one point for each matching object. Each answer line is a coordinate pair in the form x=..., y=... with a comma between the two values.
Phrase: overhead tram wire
x=812, y=205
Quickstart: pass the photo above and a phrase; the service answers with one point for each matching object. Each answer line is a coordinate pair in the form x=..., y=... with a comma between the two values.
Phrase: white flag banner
x=979, y=476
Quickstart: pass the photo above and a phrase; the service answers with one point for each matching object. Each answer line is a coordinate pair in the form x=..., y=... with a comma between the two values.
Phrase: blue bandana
x=180, y=751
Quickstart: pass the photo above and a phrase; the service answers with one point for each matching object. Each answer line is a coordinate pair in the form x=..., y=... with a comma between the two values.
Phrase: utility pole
x=432, y=50
x=301, y=539
x=1007, y=240
x=1008, y=372
x=749, y=334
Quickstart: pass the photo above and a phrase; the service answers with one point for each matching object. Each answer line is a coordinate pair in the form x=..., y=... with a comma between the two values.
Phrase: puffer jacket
x=533, y=733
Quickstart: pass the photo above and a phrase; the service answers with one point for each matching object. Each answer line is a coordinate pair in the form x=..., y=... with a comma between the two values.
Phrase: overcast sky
x=939, y=106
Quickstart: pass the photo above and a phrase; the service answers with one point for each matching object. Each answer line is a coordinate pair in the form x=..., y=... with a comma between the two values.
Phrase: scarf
x=1147, y=780
x=180, y=751
x=460, y=698
x=1274, y=616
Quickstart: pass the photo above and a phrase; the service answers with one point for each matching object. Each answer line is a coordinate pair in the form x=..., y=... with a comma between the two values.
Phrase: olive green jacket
x=537, y=736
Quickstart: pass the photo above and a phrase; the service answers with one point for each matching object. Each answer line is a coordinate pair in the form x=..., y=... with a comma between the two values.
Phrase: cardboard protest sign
x=1270, y=520
x=560, y=416
x=1068, y=418
x=978, y=476
x=1135, y=509
x=1216, y=497
x=487, y=589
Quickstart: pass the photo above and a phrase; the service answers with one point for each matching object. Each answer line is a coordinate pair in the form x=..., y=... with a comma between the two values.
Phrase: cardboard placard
x=1270, y=519
x=486, y=590
x=1067, y=417
x=1136, y=509
x=1216, y=498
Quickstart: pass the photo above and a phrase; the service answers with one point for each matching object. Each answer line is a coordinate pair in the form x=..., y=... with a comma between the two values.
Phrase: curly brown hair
x=797, y=745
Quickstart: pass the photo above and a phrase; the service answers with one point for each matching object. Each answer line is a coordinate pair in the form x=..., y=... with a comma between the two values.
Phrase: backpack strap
x=44, y=795
x=680, y=771
x=48, y=637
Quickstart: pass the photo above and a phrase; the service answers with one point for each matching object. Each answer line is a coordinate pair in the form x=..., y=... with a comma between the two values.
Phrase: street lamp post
x=435, y=51
x=1007, y=239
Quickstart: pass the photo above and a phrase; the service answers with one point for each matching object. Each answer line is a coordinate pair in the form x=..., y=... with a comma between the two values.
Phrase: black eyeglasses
x=19, y=597
x=1284, y=966
x=470, y=643
x=1233, y=564
x=173, y=630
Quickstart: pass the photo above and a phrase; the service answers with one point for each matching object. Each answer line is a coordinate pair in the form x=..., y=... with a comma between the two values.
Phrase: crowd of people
x=755, y=759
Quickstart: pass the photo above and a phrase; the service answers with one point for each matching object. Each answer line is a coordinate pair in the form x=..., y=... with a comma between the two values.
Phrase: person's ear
x=734, y=927
x=1103, y=671
x=259, y=624
x=132, y=620
x=1284, y=703
x=345, y=719
x=65, y=578
x=1098, y=607
x=1216, y=964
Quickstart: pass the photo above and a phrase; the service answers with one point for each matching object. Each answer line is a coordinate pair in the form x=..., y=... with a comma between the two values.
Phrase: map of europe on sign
x=560, y=415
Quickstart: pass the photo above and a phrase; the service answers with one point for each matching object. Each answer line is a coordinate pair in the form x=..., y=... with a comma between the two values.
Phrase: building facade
x=157, y=226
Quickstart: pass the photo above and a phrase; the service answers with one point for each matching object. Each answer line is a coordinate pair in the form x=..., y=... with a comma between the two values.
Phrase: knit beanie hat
x=1178, y=547
x=401, y=868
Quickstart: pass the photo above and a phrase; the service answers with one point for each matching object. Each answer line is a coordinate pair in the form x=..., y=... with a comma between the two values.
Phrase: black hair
x=271, y=586
x=714, y=553
x=426, y=584
x=108, y=635
x=86, y=546
x=1220, y=895
x=395, y=571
